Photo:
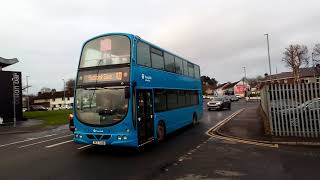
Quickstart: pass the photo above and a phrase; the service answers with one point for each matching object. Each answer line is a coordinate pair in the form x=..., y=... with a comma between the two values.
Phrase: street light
x=268, y=53
x=64, y=92
x=245, y=77
x=244, y=70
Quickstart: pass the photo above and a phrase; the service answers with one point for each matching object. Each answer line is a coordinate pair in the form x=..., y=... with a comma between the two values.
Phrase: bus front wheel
x=161, y=131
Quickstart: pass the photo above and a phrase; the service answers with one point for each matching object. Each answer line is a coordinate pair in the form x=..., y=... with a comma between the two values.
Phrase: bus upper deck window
x=107, y=50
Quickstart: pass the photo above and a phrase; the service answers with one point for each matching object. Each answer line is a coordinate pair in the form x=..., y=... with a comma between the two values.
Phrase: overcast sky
x=221, y=36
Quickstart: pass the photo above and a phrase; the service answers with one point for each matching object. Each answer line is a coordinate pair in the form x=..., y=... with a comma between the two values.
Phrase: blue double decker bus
x=130, y=92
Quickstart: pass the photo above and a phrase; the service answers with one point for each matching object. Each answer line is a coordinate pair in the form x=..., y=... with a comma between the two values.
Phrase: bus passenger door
x=145, y=116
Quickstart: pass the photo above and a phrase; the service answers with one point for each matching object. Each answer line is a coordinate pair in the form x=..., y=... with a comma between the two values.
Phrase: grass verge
x=50, y=118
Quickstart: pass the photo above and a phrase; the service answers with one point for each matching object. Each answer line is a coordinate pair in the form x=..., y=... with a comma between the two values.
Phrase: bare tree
x=45, y=90
x=316, y=53
x=294, y=57
x=70, y=85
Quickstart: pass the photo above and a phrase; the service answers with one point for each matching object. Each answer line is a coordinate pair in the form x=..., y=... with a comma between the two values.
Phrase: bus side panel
x=176, y=119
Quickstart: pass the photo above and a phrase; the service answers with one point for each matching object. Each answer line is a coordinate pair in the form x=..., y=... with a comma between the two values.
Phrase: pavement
x=189, y=153
x=25, y=126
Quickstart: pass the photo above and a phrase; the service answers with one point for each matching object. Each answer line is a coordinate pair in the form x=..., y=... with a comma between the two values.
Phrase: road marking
x=245, y=141
x=221, y=123
x=26, y=140
x=234, y=139
x=54, y=145
x=85, y=146
x=45, y=141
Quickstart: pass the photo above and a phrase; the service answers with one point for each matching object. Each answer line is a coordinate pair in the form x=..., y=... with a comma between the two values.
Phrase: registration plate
x=99, y=142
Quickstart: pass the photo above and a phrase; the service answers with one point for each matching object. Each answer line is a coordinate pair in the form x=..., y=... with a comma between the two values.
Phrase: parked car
x=238, y=96
x=234, y=98
x=38, y=108
x=66, y=107
x=227, y=98
x=219, y=103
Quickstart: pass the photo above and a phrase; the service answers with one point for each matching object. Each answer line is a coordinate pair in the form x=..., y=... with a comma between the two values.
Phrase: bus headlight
x=119, y=138
x=124, y=137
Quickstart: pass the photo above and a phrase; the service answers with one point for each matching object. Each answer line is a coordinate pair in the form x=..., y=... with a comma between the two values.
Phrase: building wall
x=56, y=102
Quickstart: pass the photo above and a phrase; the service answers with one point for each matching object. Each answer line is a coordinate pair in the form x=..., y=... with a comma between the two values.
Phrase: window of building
x=169, y=62
x=157, y=59
x=143, y=54
x=178, y=65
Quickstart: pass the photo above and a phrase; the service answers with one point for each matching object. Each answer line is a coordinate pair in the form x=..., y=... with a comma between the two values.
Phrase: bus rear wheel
x=161, y=132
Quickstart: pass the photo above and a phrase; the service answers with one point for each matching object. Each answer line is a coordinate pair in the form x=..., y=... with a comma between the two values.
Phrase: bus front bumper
x=105, y=139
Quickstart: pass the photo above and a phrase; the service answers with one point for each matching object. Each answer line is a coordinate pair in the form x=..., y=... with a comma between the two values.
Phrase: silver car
x=219, y=103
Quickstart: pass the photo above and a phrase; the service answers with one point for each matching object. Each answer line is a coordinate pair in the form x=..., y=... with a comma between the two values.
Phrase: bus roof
x=131, y=36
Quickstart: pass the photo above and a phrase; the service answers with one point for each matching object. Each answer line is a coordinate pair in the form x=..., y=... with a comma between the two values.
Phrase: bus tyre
x=161, y=132
x=194, y=120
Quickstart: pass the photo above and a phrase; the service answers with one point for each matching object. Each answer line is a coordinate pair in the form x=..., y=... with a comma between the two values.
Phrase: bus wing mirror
x=127, y=92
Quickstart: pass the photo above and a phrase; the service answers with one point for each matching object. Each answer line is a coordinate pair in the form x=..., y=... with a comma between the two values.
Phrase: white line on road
x=26, y=140
x=85, y=146
x=45, y=141
x=54, y=145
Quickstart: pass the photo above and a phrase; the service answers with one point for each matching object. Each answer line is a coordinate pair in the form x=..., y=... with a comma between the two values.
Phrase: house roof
x=304, y=72
x=230, y=85
x=52, y=95
x=7, y=62
x=220, y=85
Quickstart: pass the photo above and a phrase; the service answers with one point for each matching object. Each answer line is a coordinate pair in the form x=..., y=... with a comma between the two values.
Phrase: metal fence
x=293, y=109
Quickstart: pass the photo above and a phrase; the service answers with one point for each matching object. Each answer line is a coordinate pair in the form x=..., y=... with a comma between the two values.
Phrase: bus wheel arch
x=161, y=131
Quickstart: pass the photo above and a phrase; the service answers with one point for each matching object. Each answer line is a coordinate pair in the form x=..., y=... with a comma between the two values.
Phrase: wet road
x=53, y=155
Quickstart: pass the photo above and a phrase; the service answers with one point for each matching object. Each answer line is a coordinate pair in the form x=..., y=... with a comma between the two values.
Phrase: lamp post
x=27, y=93
x=245, y=77
x=64, y=92
x=268, y=53
x=245, y=72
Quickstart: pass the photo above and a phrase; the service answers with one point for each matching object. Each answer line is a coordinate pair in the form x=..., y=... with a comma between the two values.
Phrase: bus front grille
x=98, y=136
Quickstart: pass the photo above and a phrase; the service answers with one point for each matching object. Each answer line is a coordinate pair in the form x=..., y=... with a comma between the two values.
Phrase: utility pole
x=27, y=93
x=245, y=77
x=268, y=53
x=245, y=74
x=64, y=93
